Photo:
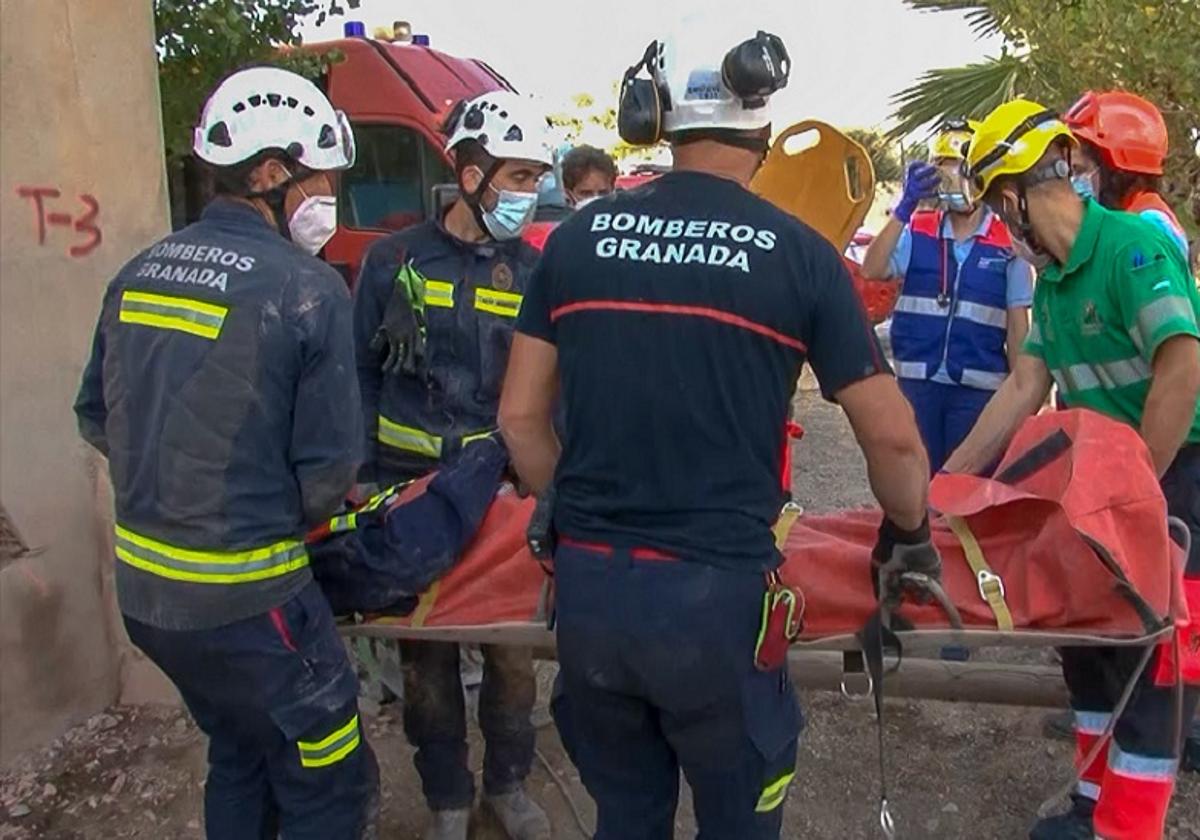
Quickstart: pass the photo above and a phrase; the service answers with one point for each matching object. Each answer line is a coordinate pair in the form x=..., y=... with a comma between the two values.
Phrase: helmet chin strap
x=276, y=198
x=474, y=199
x=1026, y=225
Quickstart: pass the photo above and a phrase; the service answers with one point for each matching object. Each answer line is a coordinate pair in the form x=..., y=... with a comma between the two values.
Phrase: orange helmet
x=1128, y=130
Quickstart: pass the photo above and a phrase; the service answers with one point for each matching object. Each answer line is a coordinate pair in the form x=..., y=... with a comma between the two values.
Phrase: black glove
x=540, y=533
x=898, y=551
x=402, y=334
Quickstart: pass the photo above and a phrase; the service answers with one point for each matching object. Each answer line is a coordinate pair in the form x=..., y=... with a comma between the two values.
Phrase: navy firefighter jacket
x=221, y=387
x=470, y=294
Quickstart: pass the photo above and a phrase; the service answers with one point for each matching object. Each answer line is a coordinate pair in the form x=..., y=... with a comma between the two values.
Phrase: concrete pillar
x=82, y=188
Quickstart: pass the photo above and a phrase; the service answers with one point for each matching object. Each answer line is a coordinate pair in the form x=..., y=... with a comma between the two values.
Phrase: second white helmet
x=506, y=125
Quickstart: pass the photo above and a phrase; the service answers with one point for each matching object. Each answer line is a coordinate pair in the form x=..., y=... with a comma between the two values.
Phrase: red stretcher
x=1068, y=545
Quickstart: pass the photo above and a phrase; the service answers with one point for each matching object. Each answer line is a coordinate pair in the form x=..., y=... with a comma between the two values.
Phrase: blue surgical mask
x=955, y=202
x=511, y=215
x=1083, y=186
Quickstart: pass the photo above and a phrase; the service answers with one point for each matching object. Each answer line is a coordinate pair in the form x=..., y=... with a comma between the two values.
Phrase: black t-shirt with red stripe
x=682, y=312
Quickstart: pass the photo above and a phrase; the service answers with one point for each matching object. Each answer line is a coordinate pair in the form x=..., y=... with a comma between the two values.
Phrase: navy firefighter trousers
x=657, y=675
x=277, y=697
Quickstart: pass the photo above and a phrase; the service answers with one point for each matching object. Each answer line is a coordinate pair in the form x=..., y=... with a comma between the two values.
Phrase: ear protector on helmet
x=756, y=68
x=640, y=107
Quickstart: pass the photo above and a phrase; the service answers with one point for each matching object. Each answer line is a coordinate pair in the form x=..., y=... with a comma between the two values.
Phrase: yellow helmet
x=952, y=140
x=1011, y=140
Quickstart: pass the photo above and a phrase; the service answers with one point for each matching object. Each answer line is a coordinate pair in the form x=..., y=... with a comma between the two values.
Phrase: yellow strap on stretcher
x=991, y=587
x=783, y=525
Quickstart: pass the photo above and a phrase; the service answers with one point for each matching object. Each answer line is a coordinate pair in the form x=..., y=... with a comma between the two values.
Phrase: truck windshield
x=389, y=186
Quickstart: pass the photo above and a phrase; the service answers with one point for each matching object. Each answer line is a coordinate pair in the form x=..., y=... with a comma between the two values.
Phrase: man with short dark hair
x=588, y=174
x=219, y=390
x=435, y=307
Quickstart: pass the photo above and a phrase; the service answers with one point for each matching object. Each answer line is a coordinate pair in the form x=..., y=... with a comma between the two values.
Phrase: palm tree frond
x=979, y=14
x=971, y=91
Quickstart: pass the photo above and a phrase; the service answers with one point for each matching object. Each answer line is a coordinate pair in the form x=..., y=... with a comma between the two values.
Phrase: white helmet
x=505, y=124
x=689, y=67
x=269, y=108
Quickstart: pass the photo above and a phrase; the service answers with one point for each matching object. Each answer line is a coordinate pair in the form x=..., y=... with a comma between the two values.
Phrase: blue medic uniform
x=682, y=312
x=950, y=325
x=472, y=293
x=221, y=389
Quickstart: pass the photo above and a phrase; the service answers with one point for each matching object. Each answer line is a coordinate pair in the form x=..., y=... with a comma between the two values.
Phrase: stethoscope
x=943, y=298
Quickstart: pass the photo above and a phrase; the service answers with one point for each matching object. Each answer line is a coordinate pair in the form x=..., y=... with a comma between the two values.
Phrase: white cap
x=508, y=127
x=269, y=108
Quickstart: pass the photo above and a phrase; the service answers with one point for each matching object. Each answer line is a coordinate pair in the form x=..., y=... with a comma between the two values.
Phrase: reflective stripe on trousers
x=332, y=748
x=774, y=793
x=185, y=564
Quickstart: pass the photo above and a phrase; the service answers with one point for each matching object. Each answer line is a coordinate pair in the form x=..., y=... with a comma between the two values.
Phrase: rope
x=580, y=822
x=1061, y=796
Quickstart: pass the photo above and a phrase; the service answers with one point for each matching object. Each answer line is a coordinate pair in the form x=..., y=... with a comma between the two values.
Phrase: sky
x=849, y=56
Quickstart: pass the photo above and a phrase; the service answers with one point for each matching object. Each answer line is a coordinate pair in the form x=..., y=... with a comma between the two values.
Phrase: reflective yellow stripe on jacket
x=497, y=302
x=439, y=293
x=168, y=312
x=185, y=564
x=409, y=438
x=412, y=439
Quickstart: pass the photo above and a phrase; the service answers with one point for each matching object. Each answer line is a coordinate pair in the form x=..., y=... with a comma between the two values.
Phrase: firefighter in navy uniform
x=435, y=308
x=679, y=315
x=221, y=389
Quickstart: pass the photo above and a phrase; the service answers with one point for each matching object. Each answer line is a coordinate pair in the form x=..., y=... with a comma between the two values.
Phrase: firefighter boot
x=449, y=825
x=1076, y=824
x=522, y=818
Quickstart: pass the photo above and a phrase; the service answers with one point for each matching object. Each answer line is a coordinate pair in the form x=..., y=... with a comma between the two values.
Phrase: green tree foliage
x=587, y=112
x=883, y=151
x=201, y=41
x=1056, y=49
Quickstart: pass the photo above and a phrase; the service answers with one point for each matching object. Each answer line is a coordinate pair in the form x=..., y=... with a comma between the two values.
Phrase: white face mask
x=314, y=223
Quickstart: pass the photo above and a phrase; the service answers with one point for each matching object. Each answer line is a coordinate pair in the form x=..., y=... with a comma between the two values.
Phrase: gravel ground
x=957, y=771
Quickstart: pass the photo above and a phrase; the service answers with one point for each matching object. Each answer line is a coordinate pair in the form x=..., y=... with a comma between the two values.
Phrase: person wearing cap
x=1122, y=149
x=588, y=173
x=1115, y=327
x=963, y=309
x=434, y=311
x=677, y=317
x=219, y=389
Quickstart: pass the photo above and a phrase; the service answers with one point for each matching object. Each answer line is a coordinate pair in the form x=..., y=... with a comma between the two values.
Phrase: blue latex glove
x=920, y=181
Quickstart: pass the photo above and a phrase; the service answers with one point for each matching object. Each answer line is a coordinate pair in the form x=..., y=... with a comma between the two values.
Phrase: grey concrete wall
x=80, y=133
